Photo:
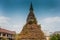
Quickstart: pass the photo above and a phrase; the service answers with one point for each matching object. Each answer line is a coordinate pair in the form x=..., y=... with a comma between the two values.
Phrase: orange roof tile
x=7, y=31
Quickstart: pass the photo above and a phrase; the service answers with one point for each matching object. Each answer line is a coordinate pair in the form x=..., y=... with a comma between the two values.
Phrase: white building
x=6, y=34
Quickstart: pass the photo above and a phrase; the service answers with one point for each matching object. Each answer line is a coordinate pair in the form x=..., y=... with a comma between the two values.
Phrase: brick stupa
x=31, y=30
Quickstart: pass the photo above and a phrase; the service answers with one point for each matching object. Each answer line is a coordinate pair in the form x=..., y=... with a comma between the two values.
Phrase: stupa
x=31, y=30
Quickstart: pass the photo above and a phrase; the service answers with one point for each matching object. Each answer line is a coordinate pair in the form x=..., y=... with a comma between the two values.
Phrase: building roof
x=7, y=31
x=57, y=32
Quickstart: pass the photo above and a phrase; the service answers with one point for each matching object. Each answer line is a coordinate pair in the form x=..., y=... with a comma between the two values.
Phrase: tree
x=58, y=36
x=55, y=37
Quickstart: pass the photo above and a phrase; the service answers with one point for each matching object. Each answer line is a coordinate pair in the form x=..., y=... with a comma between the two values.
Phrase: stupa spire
x=31, y=7
x=31, y=17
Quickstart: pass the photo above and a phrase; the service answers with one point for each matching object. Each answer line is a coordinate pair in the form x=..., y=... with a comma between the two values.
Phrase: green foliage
x=55, y=37
x=30, y=22
x=4, y=39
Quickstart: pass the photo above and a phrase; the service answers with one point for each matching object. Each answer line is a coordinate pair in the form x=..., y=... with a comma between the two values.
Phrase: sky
x=13, y=14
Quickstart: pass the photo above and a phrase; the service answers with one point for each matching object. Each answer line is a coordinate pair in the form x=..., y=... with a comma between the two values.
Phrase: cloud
x=5, y=23
x=17, y=28
x=50, y=24
x=51, y=20
x=4, y=19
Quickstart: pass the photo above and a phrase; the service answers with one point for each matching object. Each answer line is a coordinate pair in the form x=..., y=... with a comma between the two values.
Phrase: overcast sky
x=13, y=14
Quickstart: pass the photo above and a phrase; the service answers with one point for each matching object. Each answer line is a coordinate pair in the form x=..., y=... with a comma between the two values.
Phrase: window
x=4, y=34
x=9, y=35
x=0, y=34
